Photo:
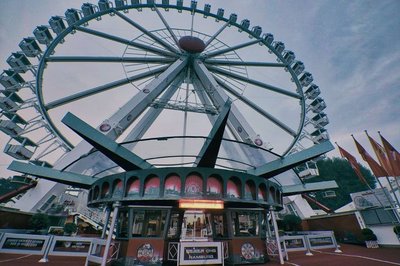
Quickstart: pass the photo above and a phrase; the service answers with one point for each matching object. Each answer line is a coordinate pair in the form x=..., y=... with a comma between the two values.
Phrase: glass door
x=196, y=226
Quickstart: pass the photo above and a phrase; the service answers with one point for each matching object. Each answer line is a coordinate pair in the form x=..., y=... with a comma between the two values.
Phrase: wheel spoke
x=125, y=41
x=242, y=63
x=230, y=49
x=216, y=34
x=256, y=108
x=253, y=82
x=148, y=33
x=168, y=27
x=110, y=59
x=102, y=88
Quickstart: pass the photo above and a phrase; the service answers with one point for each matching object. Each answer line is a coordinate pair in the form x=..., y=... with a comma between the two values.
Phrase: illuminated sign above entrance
x=200, y=204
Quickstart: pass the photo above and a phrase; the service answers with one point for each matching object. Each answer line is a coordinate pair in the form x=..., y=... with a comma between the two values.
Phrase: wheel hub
x=192, y=44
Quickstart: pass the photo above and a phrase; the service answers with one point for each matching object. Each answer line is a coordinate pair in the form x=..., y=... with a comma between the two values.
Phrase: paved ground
x=352, y=256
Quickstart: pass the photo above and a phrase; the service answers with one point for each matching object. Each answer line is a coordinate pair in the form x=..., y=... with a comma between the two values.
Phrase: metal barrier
x=96, y=251
x=24, y=244
x=46, y=245
x=311, y=240
x=272, y=247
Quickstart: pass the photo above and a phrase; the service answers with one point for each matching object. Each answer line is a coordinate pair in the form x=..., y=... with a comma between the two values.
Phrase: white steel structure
x=149, y=69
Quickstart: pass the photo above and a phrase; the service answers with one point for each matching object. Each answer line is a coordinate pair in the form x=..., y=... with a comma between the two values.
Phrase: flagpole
x=387, y=146
x=364, y=180
x=382, y=156
x=376, y=169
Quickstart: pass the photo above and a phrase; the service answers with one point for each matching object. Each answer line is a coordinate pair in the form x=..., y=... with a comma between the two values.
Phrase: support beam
x=257, y=108
x=230, y=49
x=102, y=88
x=242, y=63
x=209, y=152
x=289, y=190
x=253, y=82
x=114, y=38
x=115, y=152
x=111, y=59
x=151, y=115
x=167, y=26
x=67, y=178
x=146, y=32
x=281, y=165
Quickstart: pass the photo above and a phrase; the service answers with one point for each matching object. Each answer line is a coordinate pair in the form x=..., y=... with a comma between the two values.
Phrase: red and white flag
x=381, y=155
x=353, y=163
x=393, y=156
x=378, y=170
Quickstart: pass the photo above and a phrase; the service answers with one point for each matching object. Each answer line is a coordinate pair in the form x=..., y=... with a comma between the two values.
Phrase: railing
x=96, y=251
x=45, y=245
x=310, y=240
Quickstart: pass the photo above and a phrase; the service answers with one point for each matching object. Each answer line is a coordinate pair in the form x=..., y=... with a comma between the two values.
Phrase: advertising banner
x=200, y=253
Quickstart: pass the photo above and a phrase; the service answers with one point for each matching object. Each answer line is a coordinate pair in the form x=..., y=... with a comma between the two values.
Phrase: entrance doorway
x=196, y=226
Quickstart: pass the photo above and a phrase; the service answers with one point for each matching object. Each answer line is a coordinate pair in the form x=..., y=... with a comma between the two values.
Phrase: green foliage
x=396, y=229
x=368, y=235
x=291, y=222
x=70, y=228
x=39, y=221
x=340, y=170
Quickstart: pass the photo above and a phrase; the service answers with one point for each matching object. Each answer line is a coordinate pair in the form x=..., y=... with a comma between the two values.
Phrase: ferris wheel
x=150, y=69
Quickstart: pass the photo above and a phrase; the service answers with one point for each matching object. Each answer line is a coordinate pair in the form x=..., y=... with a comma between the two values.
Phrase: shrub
x=39, y=221
x=70, y=228
x=368, y=235
x=396, y=229
x=291, y=222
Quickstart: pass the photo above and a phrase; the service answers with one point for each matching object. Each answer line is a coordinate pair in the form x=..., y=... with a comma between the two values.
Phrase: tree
x=291, y=222
x=340, y=170
x=39, y=221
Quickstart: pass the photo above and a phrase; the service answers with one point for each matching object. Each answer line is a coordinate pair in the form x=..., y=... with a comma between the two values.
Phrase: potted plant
x=70, y=228
x=396, y=230
x=370, y=238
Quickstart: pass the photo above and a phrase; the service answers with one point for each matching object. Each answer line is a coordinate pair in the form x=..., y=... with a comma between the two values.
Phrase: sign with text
x=200, y=253
x=70, y=246
x=23, y=243
x=320, y=241
x=27, y=244
x=377, y=198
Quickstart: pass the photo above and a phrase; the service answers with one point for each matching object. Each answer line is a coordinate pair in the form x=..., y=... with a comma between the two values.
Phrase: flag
x=393, y=156
x=353, y=163
x=381, y=155
x=378, y=170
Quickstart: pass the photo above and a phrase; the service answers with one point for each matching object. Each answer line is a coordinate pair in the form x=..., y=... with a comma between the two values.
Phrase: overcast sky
x=352, y=48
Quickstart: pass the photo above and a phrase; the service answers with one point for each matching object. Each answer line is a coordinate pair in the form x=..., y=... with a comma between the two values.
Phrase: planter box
x=372, y=244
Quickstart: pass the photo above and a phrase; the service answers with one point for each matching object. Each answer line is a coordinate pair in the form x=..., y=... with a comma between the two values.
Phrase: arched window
x=278, y=197
x=172, y=186
x=133, y=187
x=193, y=185
x=96, y=193
x=117, y=188
x=152, y=186
x=214, y=186
x=250, y=190
x=233, y=188
x=105, y=190
x=262, y=192
x=90, y=195
x=271, y=196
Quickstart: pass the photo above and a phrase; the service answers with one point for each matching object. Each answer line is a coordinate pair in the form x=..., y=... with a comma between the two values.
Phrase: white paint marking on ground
x=1, y=261
x=357, y=256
